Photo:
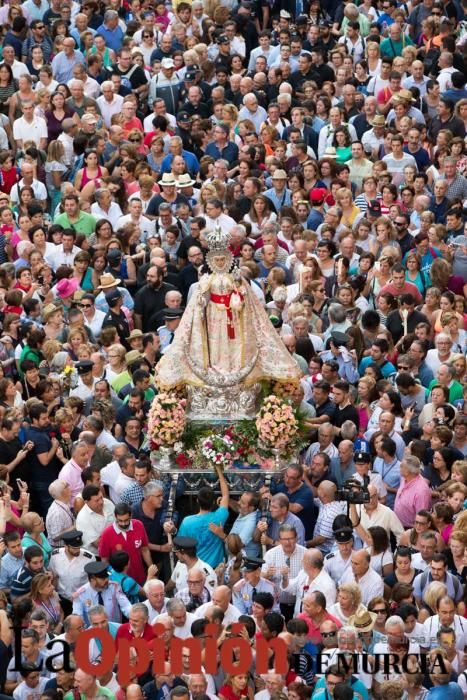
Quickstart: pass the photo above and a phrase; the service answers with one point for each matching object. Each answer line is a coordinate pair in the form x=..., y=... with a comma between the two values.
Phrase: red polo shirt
x=124, y=632
x=131, y=541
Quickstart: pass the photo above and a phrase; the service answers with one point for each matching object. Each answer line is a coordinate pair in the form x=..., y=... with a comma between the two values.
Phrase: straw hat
x=363, y=621
x=107, y=281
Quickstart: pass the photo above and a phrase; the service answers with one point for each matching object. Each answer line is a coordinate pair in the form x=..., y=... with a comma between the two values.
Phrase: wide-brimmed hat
x=132, y=356
x=185, y=180
x=67, y=287
x=48, y=311
x=363, y=622
x=107, y=281
x=330, y=152
x=378, y=120
x=404, y=95
x=168, y=180
x=279, y=175
x=135, y=333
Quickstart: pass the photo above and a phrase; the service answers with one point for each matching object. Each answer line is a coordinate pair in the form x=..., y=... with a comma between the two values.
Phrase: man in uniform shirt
x=185, y=549
x=85, y=388
x=251, y=584
x=67, y=565
x=338, y=563
x=100, y=591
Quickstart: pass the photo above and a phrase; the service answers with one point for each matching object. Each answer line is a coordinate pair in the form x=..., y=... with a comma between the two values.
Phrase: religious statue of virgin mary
x=225, y=344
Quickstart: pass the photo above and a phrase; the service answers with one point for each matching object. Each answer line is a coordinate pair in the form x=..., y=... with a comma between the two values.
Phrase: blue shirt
x=62, y=66
x=279, y=201
x=304, y=497
x=229, y=152
x=190, y=159
x=391, y=476
x=451, y=691
x=210, y=548
x=113, y=37
x=387, y=370
x=244, y=526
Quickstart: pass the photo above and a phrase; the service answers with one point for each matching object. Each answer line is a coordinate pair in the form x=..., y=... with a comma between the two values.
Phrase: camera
x=353, y=491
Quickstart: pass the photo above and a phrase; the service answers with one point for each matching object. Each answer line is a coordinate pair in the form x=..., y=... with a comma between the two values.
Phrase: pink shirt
x=71, y=474
x=411, y=497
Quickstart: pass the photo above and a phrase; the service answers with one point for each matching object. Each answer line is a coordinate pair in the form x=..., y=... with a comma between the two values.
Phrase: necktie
x=253, y=592
x=287, y=562
x=100, y=599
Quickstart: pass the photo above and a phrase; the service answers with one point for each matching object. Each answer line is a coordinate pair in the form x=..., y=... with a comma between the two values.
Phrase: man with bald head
x=370, y=583
x=313, y=577
x=343, y=466
x=151, y=298
x=323, y=535
x=221, y=597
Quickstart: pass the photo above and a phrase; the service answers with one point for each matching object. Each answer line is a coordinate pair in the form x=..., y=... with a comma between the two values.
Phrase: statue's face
x=220, y=261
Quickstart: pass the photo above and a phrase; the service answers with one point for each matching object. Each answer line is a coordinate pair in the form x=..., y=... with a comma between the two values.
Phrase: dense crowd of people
x=329, y=140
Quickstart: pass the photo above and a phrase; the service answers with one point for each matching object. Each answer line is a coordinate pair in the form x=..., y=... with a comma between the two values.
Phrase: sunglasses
x=134, y=140
x=85, y=306
x=379, y=611
x=326, y=635
x=402, y=367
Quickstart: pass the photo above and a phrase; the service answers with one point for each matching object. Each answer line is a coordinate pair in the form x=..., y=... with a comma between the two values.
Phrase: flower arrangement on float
x=276, y=423
x=278, y=431
x=166, y=421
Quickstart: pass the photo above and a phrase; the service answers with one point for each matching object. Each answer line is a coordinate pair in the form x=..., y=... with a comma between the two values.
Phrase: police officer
x=166, y=332
x=100, y=591
x=185, y=549
x=67, y=565
x=336, y=563
x=252, y=583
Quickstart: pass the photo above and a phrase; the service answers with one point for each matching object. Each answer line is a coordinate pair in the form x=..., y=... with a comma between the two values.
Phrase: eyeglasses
x=39, y=26
x=134, y=140
x=379, y=611
x=402, y=367
x=400, y=223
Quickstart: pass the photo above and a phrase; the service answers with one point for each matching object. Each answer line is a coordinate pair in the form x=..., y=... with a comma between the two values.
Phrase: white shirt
x=146, y=226
x=444, y=78
x=180, y=575
x=113, y=215
x=108, y=109
x=153, y=613
x=60, y=257
x=121, y=484
x=184, y=631
x=382, y=516
x=67, y=141
x=326, y=136
x=231, y=615
x=35, y=130
x=418, y=562
x=371, y=584
x=431, y=627
x=301, y=586
x=276, y=558
x=19, y=69
x=225, y=222
x=92, y=524
x=39, y=189
x=383, y=648
x=82, y=391
x=95, y=324
x=109, y=475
